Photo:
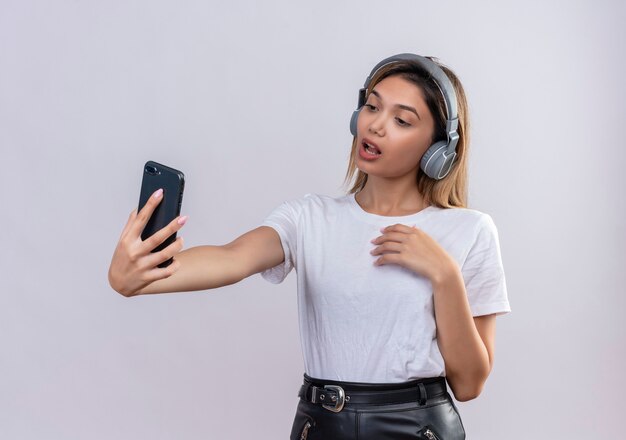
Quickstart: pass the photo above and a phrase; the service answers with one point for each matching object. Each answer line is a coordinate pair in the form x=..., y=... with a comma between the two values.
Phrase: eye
x=370, y=107
x=402, y=123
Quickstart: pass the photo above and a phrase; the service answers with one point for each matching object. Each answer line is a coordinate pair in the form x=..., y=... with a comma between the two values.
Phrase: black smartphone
x=155, y=176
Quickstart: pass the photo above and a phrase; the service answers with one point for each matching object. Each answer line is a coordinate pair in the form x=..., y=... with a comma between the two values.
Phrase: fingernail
x=158, y=193
x=372, y=240
x=382, y=229
x=182, y=220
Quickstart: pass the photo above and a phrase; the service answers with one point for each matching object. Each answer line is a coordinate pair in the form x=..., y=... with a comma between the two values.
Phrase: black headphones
x=439, y=158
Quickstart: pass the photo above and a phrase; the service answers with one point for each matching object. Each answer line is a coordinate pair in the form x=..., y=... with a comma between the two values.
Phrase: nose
x=376, y=126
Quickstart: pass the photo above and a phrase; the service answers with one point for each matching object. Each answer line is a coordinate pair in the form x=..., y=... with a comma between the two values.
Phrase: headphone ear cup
x=353, y=121
x=433, y=160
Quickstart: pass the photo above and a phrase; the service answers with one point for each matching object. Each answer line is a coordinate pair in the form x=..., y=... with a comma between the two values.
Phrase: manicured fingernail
x=158, y=193
x=372, y=240
x=382, y=229
x=182, y=220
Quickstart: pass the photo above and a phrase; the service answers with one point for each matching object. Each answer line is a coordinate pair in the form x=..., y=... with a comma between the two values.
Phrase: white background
x=252, y=101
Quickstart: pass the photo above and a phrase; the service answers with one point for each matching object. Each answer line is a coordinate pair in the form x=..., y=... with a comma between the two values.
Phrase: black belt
x=334, y=395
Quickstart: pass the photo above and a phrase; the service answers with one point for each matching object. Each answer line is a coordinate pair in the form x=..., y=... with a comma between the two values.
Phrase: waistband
x=334, y=395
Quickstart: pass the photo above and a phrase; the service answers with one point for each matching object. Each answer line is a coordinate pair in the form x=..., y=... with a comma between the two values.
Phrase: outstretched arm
x=133, y=268
x=209, y=267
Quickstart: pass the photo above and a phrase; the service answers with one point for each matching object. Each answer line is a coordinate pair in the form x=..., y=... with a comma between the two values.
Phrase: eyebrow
x=402, y=106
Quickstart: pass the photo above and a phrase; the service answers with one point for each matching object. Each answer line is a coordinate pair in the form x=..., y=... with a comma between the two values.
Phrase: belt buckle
x=339, y=400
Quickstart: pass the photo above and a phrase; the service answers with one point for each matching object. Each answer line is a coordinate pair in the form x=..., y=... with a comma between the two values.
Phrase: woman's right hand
x=133, y=265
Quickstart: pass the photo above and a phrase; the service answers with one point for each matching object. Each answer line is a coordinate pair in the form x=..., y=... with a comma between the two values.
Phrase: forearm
x=201, y=268
x=465, y=355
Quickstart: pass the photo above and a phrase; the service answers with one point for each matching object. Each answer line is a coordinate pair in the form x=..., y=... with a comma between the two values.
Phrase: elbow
x=468, y=389
x=466, y=394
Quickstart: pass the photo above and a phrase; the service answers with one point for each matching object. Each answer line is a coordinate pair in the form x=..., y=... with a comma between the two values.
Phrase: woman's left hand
x=412, y=248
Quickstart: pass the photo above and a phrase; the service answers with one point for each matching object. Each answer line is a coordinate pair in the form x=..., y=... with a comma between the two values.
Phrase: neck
x=389, y=198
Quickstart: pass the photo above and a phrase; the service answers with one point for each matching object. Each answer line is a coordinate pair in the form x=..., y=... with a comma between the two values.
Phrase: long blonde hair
x=451, y=191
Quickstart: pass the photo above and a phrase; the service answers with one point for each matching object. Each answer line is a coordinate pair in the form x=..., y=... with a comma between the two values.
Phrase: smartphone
x=155, y=176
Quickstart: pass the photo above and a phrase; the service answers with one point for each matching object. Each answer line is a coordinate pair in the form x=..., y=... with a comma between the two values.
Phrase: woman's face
x=396, y=119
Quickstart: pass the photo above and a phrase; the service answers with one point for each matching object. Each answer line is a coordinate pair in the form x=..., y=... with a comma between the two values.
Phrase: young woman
x=399, y=283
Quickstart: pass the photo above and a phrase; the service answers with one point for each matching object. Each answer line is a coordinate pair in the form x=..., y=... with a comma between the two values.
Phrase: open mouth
x=371, y=149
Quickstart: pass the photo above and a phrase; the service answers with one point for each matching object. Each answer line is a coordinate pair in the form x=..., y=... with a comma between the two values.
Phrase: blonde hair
x=451, y=191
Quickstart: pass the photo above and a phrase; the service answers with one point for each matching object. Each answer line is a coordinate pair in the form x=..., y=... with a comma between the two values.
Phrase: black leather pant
x=436, y=419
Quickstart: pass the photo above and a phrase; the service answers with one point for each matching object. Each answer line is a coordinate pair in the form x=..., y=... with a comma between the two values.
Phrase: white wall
x=252, y=101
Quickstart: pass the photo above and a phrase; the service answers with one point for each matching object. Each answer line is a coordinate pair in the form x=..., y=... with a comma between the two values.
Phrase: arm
x=133, y=269
x=466, y=343
x=209, y=267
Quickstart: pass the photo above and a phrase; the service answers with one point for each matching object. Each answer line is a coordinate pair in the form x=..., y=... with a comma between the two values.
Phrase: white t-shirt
x=365, y=323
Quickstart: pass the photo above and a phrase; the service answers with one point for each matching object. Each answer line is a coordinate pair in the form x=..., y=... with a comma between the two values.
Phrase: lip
x=364, y=154
x=371, y=143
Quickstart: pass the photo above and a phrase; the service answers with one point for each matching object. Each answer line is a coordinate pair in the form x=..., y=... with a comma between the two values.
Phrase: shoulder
x=467, y=218
x=314, y=201
x=465, y=215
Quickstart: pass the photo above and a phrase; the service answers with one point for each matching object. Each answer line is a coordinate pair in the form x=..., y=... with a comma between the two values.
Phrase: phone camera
x=151, y=170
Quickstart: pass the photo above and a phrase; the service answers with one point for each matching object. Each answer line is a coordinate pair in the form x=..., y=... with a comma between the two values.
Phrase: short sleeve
x=283, y=219
x=483, y=272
